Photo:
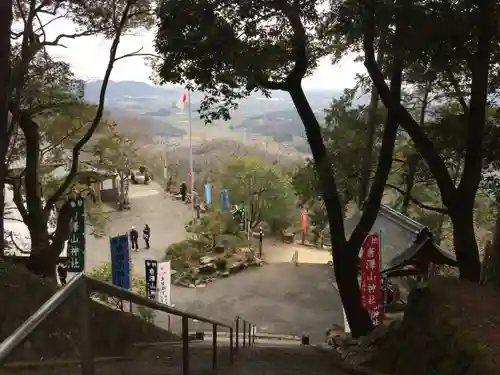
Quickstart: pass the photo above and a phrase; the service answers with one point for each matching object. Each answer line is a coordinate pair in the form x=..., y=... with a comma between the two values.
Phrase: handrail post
x=86, y=356
x=185, y=345
x=250, y=333
x=244, y=331
x=231, y=344
x=214, y=346
x=254, y=333
x=237, y=333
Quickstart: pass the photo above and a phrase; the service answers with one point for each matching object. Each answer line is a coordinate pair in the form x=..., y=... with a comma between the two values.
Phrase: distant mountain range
x=154, y=107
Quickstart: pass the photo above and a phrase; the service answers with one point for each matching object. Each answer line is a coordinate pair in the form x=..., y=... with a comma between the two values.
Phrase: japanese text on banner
x=76, y=242
x=151, y=267
x=164, y=281
x=371, y=287
x=120, y=261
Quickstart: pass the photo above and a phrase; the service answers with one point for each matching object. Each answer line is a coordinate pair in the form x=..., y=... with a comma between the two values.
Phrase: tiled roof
x=399, y=232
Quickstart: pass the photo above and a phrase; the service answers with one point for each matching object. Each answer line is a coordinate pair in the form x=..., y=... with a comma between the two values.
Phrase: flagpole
x=191, y=153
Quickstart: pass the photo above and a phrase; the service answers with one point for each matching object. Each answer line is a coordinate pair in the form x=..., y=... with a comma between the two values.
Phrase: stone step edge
x=141, y=345
x=262, y=335
x=27, y=365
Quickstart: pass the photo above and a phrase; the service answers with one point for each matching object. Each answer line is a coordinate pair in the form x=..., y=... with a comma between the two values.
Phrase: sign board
x=76, y=242
x=164, y=282
x=120, y=261
x=151, y=267
x=371, y=280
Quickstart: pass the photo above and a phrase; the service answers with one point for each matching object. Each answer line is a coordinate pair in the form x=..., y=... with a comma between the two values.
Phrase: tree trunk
x=345, y=260
x=411, y=168
x=459, y=201
x=371, y=121
x=491, y=260
x=465, y=244
x=46, y=249
x=40, y=262
x=5, y=22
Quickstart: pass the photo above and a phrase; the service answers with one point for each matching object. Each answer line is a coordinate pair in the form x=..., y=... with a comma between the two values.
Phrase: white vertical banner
x=164, y=280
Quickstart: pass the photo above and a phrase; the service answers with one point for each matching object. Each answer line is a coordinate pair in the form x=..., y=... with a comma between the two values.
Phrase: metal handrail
x=32, y=323
x=84, y=285
x=97, y=285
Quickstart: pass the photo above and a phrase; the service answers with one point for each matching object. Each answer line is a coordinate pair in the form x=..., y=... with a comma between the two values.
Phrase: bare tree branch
x=417, y=202
x=57, y=40
x=50, y=148
x=18, y=201
x=98, y=116
x=137, y=53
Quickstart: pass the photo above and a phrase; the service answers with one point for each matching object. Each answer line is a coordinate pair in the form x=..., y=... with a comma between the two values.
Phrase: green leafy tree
x=460, y=55
x=262, y=187
x=111, y=19
x=117, y=154
x=230, y=49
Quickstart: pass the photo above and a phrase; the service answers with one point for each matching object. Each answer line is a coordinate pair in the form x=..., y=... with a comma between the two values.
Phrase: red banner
x=371, y=281
x=303, y=219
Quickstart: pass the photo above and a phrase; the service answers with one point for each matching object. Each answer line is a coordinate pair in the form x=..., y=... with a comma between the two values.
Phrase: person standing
x=134, y=236
x=62, y=272
x=146, y=234
x=183, y=191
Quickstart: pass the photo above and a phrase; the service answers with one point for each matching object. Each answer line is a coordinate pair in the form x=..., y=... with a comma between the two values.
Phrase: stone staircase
x=268, y=356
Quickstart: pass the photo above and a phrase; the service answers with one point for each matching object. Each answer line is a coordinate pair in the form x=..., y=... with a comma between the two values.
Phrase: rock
x=225, y=274
x=207, y=269
x=207, y=259
x=201, y=285
x=237, y=267
x=288, y=237
x=376, y=335
x=219, y=249
x=256, y=262
x=192, y=286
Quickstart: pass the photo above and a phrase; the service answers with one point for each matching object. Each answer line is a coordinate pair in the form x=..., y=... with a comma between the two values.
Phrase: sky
x=88, y=57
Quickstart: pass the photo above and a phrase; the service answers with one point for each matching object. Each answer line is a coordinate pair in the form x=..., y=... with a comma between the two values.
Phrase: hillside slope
x=113, y=332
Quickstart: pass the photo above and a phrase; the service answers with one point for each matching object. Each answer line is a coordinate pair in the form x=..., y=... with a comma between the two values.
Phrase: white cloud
x=88, y=57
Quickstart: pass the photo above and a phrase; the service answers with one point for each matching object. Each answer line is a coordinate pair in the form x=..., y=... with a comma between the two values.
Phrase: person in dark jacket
x=62, y=272
x=183, y=191
x=134, y=236
x=146, y=234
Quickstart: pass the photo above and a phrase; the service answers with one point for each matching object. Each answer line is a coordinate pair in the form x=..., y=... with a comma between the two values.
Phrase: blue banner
x=208, y=194
x=151, y=278
x=224, y=199
x=120, y=261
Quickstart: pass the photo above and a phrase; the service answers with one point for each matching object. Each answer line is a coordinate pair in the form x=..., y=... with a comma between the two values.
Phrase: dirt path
x=275, y=251
x=149, y=205
x=277, y=298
